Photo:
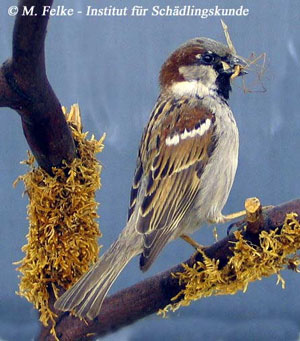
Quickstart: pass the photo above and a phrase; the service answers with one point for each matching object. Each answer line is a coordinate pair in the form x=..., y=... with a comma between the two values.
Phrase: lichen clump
x=249, y=263
x=63, y=231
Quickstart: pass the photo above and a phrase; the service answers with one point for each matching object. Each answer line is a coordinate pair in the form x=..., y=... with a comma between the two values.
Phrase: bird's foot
x=232, y=216
x=192, y=242
x=251, y=214
x=236, y=224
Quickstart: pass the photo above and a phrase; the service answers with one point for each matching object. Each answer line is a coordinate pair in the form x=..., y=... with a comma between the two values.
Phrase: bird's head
x=201, y=67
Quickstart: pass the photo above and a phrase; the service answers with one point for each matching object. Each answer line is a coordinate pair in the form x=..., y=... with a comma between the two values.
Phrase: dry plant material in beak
x=238, y=68
x=63, y=231
x=227, y=37
x=253, y=63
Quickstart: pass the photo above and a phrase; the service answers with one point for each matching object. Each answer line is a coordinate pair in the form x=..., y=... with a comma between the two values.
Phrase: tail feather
x=85, y=298
x=91, y=304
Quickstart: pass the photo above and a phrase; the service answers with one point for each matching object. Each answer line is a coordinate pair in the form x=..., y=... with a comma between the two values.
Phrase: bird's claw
x=235, y=224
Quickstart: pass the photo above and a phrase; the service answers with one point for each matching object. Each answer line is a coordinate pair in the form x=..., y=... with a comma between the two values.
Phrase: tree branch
x=147, y=297
x=25, y=88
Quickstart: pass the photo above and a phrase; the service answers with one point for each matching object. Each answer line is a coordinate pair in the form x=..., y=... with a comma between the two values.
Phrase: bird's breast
x=219, y=173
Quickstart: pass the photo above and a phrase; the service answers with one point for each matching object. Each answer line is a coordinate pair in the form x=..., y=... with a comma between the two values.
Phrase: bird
x=185, y=167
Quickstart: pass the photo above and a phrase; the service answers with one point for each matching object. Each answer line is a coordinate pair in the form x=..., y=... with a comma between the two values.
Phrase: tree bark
x=25, y=88
x=147, y=297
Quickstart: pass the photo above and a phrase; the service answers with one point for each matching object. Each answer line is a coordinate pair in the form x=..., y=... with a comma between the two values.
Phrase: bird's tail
x=86, y=296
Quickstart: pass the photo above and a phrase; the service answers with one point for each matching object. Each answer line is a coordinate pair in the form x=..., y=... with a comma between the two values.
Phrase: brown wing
x=179, y=141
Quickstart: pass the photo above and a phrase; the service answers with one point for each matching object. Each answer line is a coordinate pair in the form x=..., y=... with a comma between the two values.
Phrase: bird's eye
x=208, y=58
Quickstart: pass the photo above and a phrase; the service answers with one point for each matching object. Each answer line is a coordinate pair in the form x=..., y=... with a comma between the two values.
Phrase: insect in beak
x=238, y=71
x=235, y=68
x=238, y=66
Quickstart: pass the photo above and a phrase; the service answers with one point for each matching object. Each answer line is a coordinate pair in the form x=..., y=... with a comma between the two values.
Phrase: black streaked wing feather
x=173, y=172
x=135, y=186
x=167, y=166
x=163, y=107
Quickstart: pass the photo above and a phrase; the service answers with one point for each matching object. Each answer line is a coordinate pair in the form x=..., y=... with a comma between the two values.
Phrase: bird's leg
x=232, y=216
x=235, y=215
x=192, y=242
x=225, y=218
x=252, y=206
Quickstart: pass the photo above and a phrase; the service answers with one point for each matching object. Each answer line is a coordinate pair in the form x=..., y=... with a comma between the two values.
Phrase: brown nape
x=170, y=70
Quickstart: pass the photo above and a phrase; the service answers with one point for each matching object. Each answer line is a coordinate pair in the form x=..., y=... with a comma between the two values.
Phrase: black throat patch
x=223, y=85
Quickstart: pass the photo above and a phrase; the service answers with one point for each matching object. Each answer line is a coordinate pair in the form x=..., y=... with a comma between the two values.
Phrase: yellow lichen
x=63, y=231
x=249, y=263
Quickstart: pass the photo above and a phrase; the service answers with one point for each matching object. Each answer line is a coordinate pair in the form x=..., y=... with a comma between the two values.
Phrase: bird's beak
x=234, y=66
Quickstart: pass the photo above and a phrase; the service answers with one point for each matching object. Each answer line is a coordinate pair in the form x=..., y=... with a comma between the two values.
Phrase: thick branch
x=154, y=293
x=24, y=87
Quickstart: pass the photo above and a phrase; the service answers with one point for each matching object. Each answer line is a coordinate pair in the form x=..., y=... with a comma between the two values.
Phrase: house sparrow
x=185, y=168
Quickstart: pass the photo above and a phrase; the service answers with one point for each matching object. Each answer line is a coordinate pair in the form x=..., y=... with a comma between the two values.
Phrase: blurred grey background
x=110, y=66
